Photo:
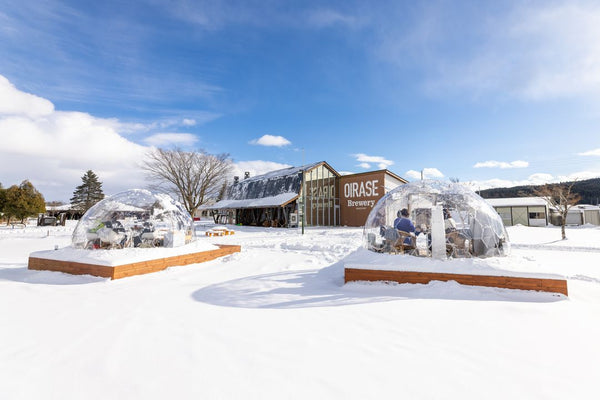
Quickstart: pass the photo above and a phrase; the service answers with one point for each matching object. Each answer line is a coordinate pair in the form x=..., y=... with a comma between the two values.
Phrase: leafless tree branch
x=561, y=197
x=194, y=177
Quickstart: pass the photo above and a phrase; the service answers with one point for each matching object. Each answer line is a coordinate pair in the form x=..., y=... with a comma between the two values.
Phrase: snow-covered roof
x=517, y=202
x=273, y=189
x=579, y=208
x=265, y=202
x=587, y=207
x=282, y=172
x=63, y=207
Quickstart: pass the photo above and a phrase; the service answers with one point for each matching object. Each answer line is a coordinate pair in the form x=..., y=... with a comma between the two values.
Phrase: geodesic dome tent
x=134, y=218
x=449, y=220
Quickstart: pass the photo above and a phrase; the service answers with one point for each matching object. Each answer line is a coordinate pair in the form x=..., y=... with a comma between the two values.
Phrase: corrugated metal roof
x=274, y=183
x=273, y=189
x=281, y=172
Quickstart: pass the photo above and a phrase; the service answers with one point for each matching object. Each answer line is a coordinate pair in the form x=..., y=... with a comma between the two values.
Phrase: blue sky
x=492, y=93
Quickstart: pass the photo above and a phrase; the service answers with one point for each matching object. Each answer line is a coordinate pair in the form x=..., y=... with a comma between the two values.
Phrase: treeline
x=589, y=190
x=20, y=201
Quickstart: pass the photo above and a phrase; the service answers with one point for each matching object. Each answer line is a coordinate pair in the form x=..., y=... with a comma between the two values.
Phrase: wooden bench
x=219, y=232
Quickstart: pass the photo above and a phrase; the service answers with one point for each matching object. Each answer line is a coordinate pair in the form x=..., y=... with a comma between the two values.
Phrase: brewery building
x=313, y=194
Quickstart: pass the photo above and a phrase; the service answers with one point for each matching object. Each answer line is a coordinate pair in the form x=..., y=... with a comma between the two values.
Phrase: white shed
x=580, y=214
x=529, y=211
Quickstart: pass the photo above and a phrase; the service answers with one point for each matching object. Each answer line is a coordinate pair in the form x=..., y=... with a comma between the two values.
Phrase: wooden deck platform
x=508, y=282
x=125, y=270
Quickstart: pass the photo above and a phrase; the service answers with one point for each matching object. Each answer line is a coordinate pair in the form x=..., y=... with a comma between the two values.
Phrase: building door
x=505, y=214
x=574, y=218
x=519, y=216
x=592, y=217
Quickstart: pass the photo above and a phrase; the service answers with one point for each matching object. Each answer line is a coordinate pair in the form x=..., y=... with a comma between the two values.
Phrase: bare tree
x=194, y=177
x=561, y=197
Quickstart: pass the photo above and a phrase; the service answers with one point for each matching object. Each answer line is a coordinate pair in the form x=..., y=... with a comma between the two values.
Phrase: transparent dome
x=435, y=219
x=134, y=218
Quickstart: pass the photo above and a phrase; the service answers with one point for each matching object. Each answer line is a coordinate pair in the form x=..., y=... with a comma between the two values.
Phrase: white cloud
x=16, y=102
x=539, y=178
x=595, y=152
x=256, y=167
x=561, y=49
x=323, y=18
x=412, y=174
x=366, y=160
x=428, y=173
x=534, y=51
x=270, y=140
x=502, y=164
x=578, y=175
x=171, y=139
x=201, y=117
x=211, y=15
x=53, y=149
x=534, y=179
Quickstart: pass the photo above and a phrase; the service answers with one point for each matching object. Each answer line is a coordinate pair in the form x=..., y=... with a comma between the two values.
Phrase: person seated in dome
x=449, y=224
x=403, y=223
x=457, y=244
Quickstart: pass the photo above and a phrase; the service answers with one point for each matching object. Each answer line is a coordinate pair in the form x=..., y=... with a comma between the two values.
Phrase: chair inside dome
x=435, y=219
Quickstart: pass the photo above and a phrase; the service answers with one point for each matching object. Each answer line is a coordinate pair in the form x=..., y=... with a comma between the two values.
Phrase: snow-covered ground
x=276, y=322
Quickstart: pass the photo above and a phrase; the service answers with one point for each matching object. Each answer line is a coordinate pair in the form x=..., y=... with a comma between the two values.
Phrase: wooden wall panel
x=508, y=282
x=353, y=212
x=75, y=268
x=125, y=270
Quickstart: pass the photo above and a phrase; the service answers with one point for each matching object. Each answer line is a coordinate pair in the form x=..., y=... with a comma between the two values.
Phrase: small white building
x=579, y=214
x=528, y=211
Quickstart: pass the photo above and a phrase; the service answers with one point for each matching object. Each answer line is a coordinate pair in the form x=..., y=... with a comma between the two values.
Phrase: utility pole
x=303, y=192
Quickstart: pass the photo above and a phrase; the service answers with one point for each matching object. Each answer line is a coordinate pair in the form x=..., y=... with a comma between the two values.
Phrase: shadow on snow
x=24, y=275
x=325, y=288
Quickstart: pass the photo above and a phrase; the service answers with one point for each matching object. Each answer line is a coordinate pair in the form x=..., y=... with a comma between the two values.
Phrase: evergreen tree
x=88, y=193
x=2, y=200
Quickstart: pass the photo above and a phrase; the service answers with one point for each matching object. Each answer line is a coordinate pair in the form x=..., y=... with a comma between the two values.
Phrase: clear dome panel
x=441, y=219
x=134, y=218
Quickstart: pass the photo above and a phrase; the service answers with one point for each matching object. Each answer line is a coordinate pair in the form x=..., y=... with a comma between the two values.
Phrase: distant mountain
x=589, y=190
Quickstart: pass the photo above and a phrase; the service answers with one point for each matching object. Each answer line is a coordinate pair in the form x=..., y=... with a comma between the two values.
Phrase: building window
x=537, y=215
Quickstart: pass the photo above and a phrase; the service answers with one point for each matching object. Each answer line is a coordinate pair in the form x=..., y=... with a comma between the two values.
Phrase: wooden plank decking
x=508, y=282
x=125, y=270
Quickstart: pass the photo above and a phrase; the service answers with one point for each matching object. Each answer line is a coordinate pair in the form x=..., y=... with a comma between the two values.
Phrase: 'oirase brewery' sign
x=359, y=193
x=361, y=190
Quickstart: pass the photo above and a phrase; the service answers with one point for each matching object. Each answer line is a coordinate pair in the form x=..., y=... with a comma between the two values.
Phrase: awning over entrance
x=273, y=201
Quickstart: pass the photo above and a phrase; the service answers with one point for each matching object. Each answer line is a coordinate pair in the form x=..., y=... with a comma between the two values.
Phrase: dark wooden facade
x=319, y=196
x=360, y=192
